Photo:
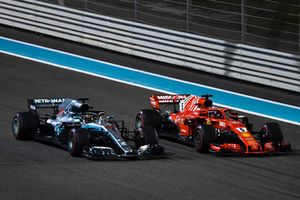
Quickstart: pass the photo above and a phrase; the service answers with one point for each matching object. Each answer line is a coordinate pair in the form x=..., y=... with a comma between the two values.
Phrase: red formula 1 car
x=195, y=120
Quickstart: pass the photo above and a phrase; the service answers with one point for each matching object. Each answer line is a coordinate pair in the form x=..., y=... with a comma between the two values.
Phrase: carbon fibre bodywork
x=72, y=124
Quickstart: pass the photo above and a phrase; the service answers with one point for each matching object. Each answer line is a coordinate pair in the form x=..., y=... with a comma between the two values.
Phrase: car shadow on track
x=171, y=155
x=166, y=155
x=293, y=152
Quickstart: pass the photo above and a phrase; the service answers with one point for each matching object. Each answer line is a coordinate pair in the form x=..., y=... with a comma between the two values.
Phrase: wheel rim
x=15, y=126
x=139, y=139
x=70, y=143
x=197, y=138
x=138, y=122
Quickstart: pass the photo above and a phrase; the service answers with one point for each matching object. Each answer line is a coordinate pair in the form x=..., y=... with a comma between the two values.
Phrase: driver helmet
x=89, y=118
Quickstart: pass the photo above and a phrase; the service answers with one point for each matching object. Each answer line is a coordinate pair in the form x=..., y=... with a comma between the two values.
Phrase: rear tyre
x=146, y=135
x=24, y=125
x=271, y=132
x=77, y=139
x=148, y=117
x=203, y=136
x=245, y=121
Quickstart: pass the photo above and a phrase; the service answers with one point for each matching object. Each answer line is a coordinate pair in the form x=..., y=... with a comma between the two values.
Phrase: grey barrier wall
x=270, y=24
x=215, y=56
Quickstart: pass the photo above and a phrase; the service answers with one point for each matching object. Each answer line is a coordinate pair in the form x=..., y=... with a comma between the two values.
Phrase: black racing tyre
x=249, y=126
x=244, y=120
x=271, y=132
x=146, y=135
x=204, y=135
x=148, y=117
x=78, y=138
x=24, y=125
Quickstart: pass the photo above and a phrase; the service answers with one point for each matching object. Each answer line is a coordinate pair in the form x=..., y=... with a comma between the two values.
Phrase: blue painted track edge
x=151, y=81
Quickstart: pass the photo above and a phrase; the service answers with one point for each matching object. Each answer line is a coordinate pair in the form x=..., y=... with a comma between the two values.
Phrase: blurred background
x=271, y=24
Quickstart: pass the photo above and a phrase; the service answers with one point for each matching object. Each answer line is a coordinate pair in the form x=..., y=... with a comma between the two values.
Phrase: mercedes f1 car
x=195, y=120
x=73, y=125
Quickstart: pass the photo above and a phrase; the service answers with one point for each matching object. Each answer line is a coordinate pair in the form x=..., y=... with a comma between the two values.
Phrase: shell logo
x=246, y=134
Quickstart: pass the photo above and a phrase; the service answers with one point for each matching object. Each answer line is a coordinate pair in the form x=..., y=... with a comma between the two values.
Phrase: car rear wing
x=156, y=100
x=35, y=103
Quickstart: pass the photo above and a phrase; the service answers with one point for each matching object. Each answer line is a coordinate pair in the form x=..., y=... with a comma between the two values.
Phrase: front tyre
x=77, y=140
x=203, y=136
x=271, y=132
x=148, y=117
x=146, y=135
x=24, y=125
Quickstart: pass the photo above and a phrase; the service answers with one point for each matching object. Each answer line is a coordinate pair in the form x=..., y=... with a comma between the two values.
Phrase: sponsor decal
x=222, y=124
x=153, y=102
x=170, y=98
x=208, y=122
x=166, y=101
x=48, y=101
x=32, y=107
x=161, y=97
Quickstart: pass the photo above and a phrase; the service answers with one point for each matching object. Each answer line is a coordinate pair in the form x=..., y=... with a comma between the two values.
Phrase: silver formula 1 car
x=74, y=125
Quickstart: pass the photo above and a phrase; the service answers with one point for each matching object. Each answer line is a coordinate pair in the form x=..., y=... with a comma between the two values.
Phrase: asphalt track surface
x=32, y=170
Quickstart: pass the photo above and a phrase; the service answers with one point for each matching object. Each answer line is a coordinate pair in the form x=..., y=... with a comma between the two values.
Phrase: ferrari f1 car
x=73, y=125
x=195, y=120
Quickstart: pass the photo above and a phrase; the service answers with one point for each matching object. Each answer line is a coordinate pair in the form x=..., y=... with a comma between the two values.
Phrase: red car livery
x=195, y=120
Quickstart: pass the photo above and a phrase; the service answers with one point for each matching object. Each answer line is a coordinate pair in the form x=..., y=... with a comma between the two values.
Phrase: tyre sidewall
x=148, y=117
x=146, y=135
x=28, y=125
x=199, y=139
x=271, y=132
x=203, y=136
x=71, y=139
x=79, y=139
